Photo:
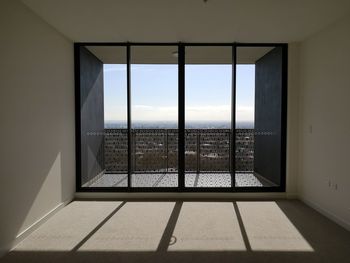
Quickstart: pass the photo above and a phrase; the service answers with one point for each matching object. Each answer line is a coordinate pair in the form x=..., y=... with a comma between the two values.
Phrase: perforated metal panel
x=116, y=150
x=245, y=150
x=214, y=150
x=150, y=150
x=191, y=150
x=172, y=151
x=156, y=150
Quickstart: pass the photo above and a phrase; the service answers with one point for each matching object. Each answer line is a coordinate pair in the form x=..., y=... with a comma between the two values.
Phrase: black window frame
x=181, y=119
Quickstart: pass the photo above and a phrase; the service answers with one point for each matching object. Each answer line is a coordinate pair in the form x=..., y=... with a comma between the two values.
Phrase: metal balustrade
x=156, y=150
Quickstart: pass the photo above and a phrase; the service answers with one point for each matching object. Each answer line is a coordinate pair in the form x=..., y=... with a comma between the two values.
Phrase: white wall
x=37, y=120
x=292, y=120
x=324, y=138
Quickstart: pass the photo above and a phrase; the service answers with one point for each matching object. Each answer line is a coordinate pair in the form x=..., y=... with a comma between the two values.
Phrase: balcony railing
x=156, y=150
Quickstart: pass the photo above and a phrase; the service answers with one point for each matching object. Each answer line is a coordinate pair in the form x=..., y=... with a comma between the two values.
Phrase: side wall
x=92, y=116
x=324, y=138
x=268, y=115
x=292, y=120
x=37, y=150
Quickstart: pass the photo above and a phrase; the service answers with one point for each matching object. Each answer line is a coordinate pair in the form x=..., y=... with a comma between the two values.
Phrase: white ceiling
x=189, y=20
x=165, y=54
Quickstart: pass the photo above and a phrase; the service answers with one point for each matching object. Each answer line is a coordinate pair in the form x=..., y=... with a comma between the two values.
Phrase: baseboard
x=292, y=196
x=3, y=251
x=22, y=235
x=177, y=196
x=325, y=212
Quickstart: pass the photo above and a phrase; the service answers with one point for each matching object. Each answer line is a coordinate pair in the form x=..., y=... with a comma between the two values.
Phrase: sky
x=154, y=92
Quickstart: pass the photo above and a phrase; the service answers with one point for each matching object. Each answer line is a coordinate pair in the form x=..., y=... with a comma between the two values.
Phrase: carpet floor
x=183, y=231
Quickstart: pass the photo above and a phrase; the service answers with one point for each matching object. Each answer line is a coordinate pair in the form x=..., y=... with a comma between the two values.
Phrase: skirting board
x=292, y=195
x=3, y=251
x=33, y=227
x=325, y=212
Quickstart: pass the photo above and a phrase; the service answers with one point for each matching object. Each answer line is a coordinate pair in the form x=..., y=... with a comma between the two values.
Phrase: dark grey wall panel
x=92, y=115
x=268, y=115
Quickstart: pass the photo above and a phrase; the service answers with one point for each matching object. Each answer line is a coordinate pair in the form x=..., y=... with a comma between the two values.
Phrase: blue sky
x=154, y=92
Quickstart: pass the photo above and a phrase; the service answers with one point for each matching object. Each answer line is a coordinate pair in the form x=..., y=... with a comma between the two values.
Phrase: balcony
x=154, y=158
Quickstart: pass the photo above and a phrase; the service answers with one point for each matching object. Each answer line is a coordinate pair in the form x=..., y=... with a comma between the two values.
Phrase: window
x=208, y=93
x=181, y=117
x=154, y=116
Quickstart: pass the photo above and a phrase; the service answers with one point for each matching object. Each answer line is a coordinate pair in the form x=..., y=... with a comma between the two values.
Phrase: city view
x=154, y=122
x=174, y=125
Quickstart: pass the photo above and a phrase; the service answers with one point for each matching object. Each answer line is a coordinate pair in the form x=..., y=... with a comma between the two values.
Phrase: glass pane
x=258, y=116
x=154, y=89
x=103, y=116
x=208, y=88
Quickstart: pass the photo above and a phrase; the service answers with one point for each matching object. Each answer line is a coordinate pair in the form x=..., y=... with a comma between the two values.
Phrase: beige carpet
x=225, y=231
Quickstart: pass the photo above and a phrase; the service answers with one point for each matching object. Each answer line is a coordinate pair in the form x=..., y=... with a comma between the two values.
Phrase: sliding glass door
x=103, y=117
x=259, y=153
x=208, y=93
x=181, y=117
x=154, y=116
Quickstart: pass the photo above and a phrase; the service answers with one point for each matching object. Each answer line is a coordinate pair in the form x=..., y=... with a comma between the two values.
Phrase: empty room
x=174, y=131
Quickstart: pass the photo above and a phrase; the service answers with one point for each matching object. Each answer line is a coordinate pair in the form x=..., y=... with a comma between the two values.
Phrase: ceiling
x=166, y=54
x=189, y=20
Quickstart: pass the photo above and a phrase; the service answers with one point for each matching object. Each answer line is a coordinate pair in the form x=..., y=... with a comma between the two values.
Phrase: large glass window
x=208, y=92
x=154, y=115
x=103, y=98
x=258, y=116
x=181, y=117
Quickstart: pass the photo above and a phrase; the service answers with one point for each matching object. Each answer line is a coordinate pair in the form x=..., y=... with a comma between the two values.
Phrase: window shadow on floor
x=328, y=241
